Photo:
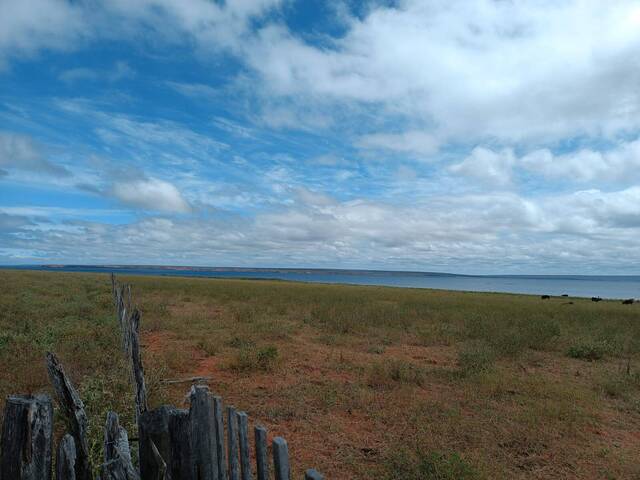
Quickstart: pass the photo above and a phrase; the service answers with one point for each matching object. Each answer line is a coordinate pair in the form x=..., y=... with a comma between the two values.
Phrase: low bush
x=589, y=350
x=393, y=372
x=475, y=357
x=404, y=465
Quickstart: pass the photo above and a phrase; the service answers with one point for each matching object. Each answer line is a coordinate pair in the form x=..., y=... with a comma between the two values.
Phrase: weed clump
x=429, y=466
x=251, y=359
x=475, y=357
x=388, y=374
x=589, y=350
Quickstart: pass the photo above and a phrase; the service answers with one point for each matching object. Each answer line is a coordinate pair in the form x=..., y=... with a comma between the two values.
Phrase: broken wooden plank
x=262, y=459
x=243, y=430
x=186, y=380
x=312, y=474
x=220, y=450
x=232, y=443
x=203, y=433
x=27, y=436
x=165, y=430
x=116, y=446
x=281, y=459
x=73, y=409
x=66, y=459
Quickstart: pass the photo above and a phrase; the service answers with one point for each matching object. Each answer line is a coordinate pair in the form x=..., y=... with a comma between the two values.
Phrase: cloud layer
x=480, y=136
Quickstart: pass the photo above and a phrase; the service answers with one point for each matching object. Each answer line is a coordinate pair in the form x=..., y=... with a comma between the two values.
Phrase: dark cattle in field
x=545, y=297
x=628, y=301
x=596, y=299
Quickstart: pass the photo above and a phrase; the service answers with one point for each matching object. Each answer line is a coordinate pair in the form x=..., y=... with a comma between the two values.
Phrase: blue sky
x=463, y=136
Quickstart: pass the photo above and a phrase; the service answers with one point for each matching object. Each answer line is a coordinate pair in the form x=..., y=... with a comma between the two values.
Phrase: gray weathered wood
x=312, y=474
x=281, y=459
x=73, y=409
x=116, y=446
x=203, y=433
x=262, y=458
x=136, y=364
x=66, y=459
x=113, y=470
x=160, y=467
x=26, y=441
x=232, y=443
x=220, y=450
x=166, y=429
x=243, y=431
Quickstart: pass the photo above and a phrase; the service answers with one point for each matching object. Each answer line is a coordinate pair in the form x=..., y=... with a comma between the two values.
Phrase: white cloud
x=415, y=143
x=489, y=167
x=22, y=153
x=151, y=194
x=619, y=164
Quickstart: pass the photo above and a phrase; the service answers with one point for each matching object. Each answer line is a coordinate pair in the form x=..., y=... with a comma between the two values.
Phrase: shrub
x=388, y=374
x=589, y=350
x=252, y=359
x=376, y=349
x=475, y=357
x=429, y=466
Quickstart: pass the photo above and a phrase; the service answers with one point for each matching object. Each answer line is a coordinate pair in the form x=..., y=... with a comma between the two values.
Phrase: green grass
x=465, y=385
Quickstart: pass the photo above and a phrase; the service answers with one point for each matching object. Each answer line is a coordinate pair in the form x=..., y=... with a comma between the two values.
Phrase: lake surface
x=572, y=285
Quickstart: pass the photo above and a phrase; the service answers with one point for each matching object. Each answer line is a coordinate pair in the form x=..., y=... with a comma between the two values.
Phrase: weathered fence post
x=165, y=430
x=262, y=459
x=203, y=433
x=281, y=459
x=66, y=459
x=245, y=462
x=312, y=474
x=116, y=446
x=73, y=409
x=232, y=443
x=136, y=363
x=26, y=441
x=219, y=421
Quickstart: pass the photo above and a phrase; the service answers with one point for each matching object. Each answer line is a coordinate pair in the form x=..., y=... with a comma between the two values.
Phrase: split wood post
x=73, y=409
x=203, y=433
x=232, y=443
x=26, y=441
x=136, y=364
x=116, y=446
x=165, y=444
x=220, y=451
x=159, y=465
x=281, y=459
x=312, y=474
x=262, y=459
x=113, y=470
x=66, y=459
x=243, y=429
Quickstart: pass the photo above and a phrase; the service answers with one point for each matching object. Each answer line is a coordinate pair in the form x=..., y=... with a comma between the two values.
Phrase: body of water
x=572, y=285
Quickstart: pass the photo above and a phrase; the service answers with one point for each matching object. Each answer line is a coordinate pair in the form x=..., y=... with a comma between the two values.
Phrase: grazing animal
x=545, y=297
x=596, y=299
x=628, y=301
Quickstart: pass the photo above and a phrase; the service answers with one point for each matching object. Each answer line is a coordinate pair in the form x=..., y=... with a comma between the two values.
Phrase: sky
x=465, y=136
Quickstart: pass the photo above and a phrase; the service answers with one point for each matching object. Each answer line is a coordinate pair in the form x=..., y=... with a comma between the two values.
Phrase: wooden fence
x=173, y=443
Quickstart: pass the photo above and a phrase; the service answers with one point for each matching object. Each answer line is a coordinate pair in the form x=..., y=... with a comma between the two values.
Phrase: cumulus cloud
x=22, y=153
x=151, y=194
x=415, y=143
x=621, y=164
x=489, y=167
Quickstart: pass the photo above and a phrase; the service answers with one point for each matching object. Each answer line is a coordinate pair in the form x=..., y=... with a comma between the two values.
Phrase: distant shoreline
x=585, y=286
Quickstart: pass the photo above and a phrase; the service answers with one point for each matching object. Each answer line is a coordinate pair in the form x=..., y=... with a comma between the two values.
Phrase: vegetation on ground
x=362, y=381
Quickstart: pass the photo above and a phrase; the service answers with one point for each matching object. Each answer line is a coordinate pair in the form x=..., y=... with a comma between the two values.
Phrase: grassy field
x=363, y=382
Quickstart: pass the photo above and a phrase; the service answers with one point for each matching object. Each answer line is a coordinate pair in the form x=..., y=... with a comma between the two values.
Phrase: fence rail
x=173, y=443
